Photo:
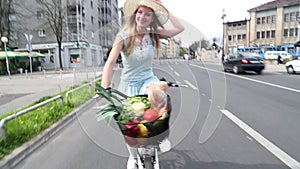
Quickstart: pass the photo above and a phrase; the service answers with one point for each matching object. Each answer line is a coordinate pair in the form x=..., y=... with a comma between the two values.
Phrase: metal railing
x=80, y=87
x=13, y=116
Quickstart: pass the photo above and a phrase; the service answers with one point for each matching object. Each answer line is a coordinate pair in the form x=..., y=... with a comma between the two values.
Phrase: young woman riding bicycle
x=139, y=43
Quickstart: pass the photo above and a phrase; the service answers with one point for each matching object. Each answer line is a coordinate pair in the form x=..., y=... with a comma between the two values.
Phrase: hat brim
x=160, y=11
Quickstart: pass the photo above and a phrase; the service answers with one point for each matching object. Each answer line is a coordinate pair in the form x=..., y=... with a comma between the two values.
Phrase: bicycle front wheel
x=148, y=163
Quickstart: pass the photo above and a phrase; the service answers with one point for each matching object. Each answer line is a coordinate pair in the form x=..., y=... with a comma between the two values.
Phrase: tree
x=182, y=51
x=204, y=44
x=54, y=14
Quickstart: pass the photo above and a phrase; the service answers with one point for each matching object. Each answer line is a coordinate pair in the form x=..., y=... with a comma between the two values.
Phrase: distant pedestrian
x=279, y=60
x=223, y=57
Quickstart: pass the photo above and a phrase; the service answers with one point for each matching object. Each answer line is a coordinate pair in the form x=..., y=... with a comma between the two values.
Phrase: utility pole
x=223, y=39
x=298, y=38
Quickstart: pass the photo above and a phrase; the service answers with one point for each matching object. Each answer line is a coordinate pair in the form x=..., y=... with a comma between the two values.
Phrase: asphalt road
x=220, y=121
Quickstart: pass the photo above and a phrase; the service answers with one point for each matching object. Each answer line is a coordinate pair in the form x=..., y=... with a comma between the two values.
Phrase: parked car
x=240, y=62
x=293, y=66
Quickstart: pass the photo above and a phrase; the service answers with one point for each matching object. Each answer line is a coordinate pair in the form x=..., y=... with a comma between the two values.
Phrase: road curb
x=19, y=154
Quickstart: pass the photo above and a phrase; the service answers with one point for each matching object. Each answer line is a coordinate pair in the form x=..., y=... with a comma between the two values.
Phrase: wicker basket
x=157, y=130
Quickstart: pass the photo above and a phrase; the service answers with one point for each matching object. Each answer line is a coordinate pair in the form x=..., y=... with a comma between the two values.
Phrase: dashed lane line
x=187, y=82
x=284, y=157
x=177, y=74
x=191, y=85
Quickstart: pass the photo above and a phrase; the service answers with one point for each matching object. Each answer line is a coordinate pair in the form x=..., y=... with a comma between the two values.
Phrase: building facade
x=88, y=30
x=270, y=24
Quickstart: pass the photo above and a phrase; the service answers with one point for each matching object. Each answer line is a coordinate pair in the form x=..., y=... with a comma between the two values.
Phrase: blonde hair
x=131, y=28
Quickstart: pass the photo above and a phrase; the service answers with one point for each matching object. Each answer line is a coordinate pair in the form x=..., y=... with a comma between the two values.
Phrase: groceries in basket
x=143, y=119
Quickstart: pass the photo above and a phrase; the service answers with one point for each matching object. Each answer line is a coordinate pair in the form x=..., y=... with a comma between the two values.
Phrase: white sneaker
x=165, y=145
x=132, y=163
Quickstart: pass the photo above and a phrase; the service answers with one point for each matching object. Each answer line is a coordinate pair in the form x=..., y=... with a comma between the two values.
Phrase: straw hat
x=160, y=11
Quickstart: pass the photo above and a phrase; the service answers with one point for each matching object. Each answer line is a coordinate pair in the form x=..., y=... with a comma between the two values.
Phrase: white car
x=293, y=66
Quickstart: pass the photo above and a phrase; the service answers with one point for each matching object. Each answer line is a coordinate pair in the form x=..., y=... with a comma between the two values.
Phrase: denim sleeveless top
x=137, y=72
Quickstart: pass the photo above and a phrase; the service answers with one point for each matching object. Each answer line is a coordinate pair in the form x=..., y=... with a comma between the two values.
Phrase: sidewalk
x=22, y=90
x=274, y=67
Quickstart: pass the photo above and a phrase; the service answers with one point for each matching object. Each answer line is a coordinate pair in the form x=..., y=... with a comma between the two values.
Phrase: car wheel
x=258, y=72
x=225, y=70
x=235, y=69
x=290, y=70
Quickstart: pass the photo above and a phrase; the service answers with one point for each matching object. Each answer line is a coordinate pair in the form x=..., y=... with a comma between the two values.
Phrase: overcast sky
x=205, y=15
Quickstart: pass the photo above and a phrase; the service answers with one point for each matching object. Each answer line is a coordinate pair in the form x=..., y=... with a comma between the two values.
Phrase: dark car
x=240, y=62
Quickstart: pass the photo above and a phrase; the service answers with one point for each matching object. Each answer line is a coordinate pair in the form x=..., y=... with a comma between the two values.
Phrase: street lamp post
x=223, y=18
x=5, y=40
x=29, y=38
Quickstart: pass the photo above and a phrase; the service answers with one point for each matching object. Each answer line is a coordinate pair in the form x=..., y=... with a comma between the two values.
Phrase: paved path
x=21, y=90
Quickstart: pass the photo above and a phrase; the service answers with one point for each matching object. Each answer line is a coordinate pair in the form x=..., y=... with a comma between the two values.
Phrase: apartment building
x=89, y=28
x=270, y=24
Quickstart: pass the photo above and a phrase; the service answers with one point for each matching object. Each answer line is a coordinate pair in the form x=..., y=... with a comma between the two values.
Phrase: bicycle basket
x=137, y=133
x=145, y=133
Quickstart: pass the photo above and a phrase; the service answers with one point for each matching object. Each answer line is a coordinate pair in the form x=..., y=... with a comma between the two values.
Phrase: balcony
x=72, y=19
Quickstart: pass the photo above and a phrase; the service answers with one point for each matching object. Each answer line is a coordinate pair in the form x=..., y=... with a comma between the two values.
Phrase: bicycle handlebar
x=170, y=84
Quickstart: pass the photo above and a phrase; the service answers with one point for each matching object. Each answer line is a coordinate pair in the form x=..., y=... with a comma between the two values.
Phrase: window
x=244, y=36
x=296, y=31
x=285, y=32
x=273, y=18
x=292, y=32
x=40, y=14
x=268, y=19
x=239, y=37
x=229, y=37
x=263, y=20
x=263, y=34
x=268, y=34
x=273, y=34
x=293, y=17
x=258, y=21
x=92, y=19
x=257, y=35
x=92, y=5
x=286, y=17
x=42, y=33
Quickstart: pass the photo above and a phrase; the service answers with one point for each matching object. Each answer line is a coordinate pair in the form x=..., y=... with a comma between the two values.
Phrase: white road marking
x=177, y=74
x=246, y=78
x=284, y=157
x=267, y=83
x=191, y=85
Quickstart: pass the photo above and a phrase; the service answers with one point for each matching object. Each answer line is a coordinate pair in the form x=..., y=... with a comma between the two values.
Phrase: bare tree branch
x=54, y=13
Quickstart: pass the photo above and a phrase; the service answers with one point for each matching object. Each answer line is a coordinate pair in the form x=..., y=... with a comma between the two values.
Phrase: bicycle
x=148, y=146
